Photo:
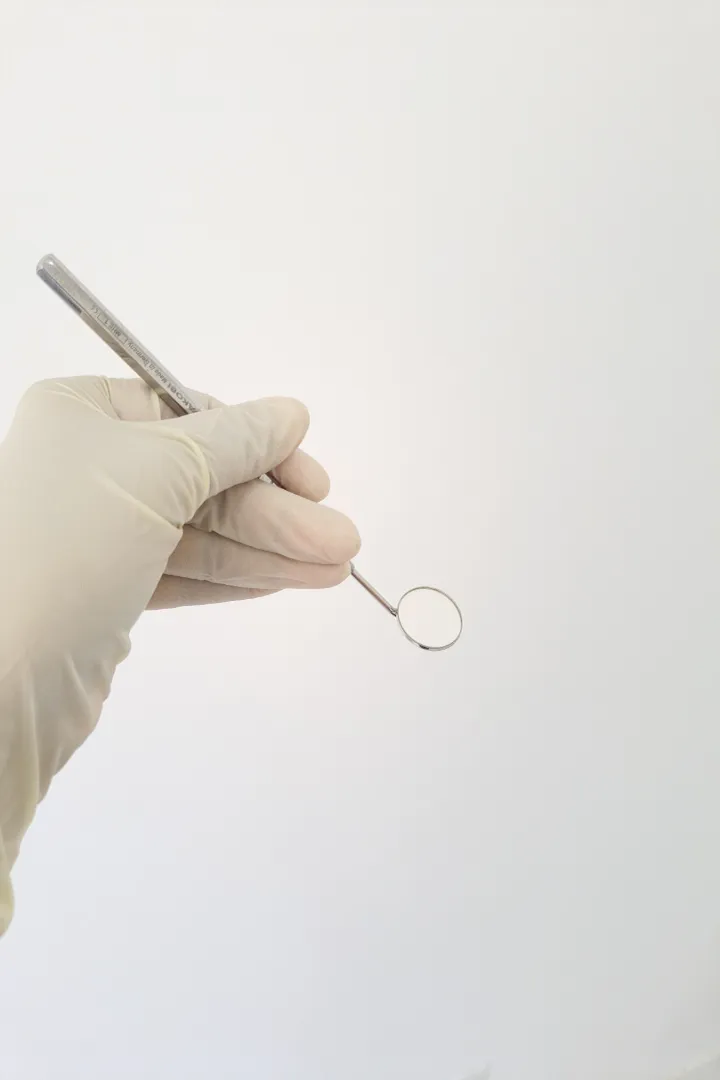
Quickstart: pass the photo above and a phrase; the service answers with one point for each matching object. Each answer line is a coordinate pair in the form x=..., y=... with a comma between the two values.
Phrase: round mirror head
x=429, y=618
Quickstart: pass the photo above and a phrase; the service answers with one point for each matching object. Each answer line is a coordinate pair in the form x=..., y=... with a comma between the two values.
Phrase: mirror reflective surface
x=429, y=618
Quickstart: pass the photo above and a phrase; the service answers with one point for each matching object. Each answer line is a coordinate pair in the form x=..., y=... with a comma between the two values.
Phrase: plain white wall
x=482, y=243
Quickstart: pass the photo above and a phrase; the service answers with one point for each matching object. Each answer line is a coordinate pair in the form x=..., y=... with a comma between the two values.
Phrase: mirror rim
x=414, y=641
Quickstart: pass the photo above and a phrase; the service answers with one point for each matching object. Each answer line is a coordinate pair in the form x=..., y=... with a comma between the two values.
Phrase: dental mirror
x=427, y=616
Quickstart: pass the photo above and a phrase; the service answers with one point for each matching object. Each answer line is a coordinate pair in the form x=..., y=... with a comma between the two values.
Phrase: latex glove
x=110, y=506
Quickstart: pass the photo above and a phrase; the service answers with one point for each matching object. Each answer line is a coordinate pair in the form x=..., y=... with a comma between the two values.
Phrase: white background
x=482, y=243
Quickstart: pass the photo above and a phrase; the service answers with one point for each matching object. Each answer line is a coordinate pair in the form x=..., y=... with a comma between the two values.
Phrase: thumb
x=241, y=442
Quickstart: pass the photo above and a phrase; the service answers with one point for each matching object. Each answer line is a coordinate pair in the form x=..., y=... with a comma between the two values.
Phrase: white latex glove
x=109, y=507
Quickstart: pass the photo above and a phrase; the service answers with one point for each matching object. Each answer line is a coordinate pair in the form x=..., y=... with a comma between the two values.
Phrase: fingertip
x=346, y=570
x=342, y=573
x=289, y=419
x=326, y=577
x=355, y=545
x=245, y=441
x=342, y=540
x=318, y=484
x=304, y=476
x=296, y=411
x=346, y=542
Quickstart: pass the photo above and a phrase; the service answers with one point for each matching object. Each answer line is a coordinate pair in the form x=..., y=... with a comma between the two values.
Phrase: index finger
x=134, y=400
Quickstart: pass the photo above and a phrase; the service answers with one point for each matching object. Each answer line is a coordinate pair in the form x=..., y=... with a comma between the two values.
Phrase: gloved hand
x=111, y=506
